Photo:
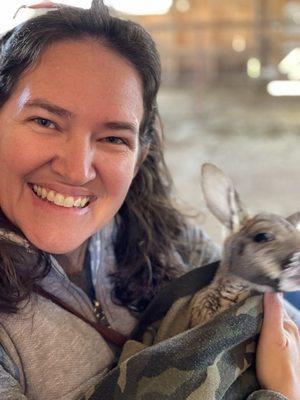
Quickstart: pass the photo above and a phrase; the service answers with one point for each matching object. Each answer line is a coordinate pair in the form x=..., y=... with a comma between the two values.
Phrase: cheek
x=117, y=176
x=11, y=155
x=21, y=152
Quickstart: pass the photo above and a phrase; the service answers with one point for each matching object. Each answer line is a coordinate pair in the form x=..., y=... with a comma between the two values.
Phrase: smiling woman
x=86, y=214
x=81, y=134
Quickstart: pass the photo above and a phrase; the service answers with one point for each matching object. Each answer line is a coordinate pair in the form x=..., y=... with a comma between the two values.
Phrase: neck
x=73, y=262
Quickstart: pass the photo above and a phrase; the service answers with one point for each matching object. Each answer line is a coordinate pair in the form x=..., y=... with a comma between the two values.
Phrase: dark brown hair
x=21, y=267
x=149, y=228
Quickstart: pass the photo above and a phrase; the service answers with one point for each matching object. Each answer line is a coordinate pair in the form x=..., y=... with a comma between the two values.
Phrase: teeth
x=77, y=203
x=69, y=202
x=50, y=195
x=59, y=199
x=83, y=202
x=44, y=193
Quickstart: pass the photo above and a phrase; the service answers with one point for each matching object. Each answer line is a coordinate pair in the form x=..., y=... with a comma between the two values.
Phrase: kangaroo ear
x=294, y=219
x=221, y=198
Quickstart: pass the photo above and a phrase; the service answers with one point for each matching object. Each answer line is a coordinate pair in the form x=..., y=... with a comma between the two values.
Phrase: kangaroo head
x=263, y=249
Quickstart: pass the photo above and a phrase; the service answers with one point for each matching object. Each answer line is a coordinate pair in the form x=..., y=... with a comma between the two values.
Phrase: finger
x=288, y=321
x=285, y=313
x=279, y=320
x=273, y=309
x=48, y=4
x=45, y=4
x=273, y=317
x=290, y=327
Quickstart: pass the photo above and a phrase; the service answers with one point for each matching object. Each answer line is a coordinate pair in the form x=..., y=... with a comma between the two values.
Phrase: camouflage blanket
x=213, y=362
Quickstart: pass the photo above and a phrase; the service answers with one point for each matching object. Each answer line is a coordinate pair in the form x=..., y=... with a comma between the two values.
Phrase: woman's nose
x=74, y=162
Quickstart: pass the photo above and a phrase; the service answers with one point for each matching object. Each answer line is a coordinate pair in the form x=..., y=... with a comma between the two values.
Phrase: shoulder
x=203, y=250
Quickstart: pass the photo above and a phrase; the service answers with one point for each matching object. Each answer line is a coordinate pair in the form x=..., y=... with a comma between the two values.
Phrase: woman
x=85, y=207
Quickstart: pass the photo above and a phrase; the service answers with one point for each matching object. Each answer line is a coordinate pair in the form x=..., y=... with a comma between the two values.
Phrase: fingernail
x=280, y=296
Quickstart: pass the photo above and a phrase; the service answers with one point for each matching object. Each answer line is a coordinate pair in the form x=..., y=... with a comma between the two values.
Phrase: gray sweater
x=46, y=353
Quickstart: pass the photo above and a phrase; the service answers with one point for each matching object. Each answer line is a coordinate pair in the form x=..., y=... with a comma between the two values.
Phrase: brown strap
x=108, y=334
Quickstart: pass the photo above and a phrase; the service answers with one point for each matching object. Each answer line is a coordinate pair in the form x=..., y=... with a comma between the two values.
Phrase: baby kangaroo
x=261, y=252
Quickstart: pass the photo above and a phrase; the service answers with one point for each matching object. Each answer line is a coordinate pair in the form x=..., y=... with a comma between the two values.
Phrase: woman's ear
x=144, y=151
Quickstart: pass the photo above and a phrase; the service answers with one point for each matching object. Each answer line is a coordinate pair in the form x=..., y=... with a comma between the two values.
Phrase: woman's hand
x=278, y=351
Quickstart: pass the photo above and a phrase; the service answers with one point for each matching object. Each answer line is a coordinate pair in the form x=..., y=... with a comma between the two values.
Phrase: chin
x=56, y=245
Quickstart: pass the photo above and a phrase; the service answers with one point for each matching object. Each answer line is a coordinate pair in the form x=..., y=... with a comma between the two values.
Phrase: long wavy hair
x=149, y=228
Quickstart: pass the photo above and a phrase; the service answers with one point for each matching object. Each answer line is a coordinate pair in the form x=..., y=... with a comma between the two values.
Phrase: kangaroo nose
x=74, y=162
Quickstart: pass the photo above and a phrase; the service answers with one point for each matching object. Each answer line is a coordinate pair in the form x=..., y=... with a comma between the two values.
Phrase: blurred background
x=230, y=94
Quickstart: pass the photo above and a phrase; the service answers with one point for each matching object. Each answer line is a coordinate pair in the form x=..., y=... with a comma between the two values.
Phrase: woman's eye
x=44, y=122
x=115, y=140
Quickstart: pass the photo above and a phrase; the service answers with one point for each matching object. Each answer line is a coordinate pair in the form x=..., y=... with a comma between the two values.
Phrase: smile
x=60, y=199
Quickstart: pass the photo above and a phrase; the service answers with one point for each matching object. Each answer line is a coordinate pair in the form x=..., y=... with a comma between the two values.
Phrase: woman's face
x=69, y=136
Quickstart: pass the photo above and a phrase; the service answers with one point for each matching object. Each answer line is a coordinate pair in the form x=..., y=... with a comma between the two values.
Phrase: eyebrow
x=52, y=108
x=64, y=113
x=121, y=126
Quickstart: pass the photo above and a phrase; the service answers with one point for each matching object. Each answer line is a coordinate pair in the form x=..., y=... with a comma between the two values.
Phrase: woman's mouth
x=60, y=199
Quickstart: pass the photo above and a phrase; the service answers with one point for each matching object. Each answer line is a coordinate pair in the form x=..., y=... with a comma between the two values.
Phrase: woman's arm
x=278, y=352
x=10, y=388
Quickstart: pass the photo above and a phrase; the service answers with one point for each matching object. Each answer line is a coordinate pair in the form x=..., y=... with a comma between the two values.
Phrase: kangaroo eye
x=263, y=237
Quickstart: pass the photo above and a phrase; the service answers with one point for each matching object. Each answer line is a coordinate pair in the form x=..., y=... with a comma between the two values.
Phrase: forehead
x=84, y=74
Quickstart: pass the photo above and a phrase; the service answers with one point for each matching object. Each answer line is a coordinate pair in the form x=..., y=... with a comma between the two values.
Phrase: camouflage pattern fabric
x=212, y=362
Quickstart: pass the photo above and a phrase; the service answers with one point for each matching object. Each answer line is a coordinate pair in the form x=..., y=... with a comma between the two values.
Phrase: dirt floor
x=254, y=137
